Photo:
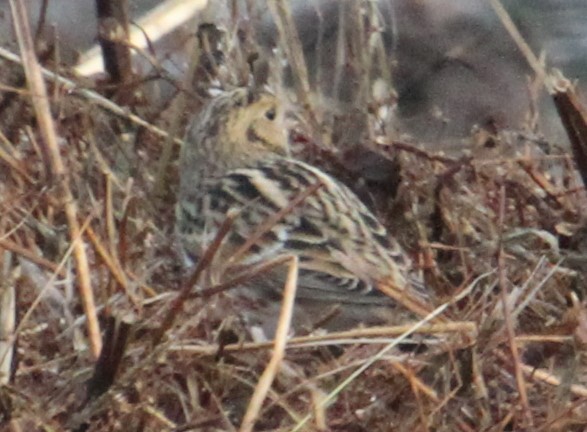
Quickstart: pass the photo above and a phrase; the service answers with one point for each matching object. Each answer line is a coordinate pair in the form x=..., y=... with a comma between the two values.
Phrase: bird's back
x=342, y=247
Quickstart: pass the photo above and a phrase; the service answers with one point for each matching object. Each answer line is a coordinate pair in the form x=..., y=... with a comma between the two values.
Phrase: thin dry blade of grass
x=280, y=342
x=111, y=263
x=288, y=33
x=40, y=101
x=50, y=282
x=371, y=335
x=174, y=127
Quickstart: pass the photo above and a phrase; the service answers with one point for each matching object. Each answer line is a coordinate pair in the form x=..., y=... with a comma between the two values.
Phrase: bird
x=236, y=158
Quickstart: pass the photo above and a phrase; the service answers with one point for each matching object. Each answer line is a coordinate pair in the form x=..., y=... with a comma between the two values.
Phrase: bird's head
x=236, y=129
x=256, y=124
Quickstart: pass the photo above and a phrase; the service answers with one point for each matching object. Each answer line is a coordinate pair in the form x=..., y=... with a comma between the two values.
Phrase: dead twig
x=203, y=263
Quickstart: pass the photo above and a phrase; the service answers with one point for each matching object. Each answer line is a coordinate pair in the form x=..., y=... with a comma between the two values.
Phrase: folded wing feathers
x=331, y=231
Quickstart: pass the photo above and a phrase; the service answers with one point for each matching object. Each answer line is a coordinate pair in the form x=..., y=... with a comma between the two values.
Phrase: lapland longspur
x=236, y=157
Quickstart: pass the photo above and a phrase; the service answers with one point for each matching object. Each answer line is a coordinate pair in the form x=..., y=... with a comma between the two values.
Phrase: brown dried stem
x=203, y=263
x=40, y=101
x=113, y=36
x=281, y=332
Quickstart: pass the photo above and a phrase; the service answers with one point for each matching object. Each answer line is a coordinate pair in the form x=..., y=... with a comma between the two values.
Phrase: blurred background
x=450, y=66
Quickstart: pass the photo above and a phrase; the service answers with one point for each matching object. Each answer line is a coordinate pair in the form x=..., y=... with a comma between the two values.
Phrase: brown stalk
x=280, y=343
x=111, y=263
x=150, y=291
x=113, y=36
x=175, y=125
x=106, y=368
x=40, y=102
x=387, y=148
x=288, y=32
x=417, y=385
x=318, y=409
x=123, y=239
x=517, y=37
x=203, y=263
x=109, y=214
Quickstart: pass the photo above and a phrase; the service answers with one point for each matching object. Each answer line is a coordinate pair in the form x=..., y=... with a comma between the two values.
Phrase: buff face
x=260, y=124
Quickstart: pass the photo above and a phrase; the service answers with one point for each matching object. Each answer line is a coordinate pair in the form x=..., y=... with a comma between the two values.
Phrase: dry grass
x=497, y=233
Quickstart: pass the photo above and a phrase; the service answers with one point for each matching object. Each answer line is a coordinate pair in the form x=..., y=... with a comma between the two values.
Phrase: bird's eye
x=270, y=114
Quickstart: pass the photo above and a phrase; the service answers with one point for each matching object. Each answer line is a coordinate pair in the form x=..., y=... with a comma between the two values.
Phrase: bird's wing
x=341, y=246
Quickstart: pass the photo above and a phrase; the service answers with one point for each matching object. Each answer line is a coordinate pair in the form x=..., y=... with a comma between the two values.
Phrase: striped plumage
x=236, y=157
